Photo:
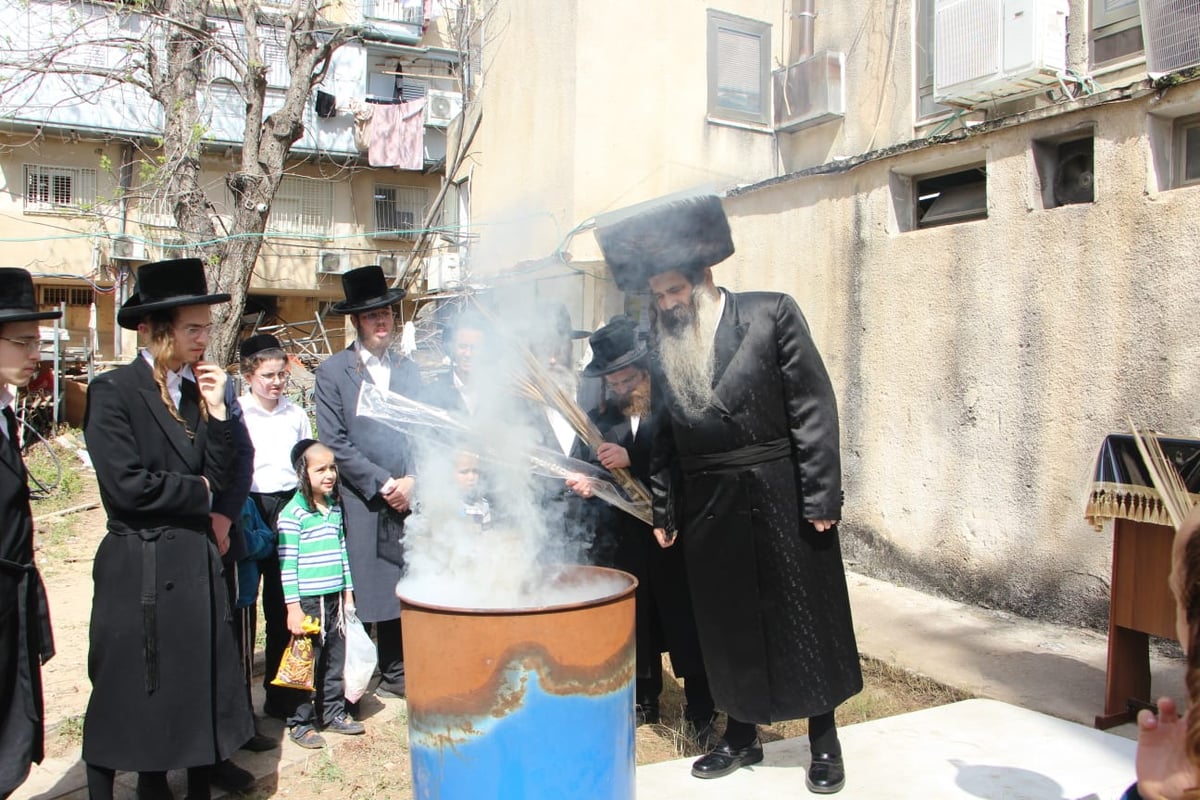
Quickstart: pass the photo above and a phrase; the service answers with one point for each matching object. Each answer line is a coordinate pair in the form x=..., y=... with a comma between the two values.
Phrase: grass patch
x=325, y=769
x=65, y=736
x=57, y=469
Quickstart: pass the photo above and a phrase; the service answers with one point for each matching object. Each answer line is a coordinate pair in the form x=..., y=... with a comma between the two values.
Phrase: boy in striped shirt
x=315, y=572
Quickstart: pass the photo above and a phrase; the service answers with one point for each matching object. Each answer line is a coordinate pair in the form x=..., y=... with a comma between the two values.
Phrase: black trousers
x=328, y=700
x=390, y=644
x=274, y=609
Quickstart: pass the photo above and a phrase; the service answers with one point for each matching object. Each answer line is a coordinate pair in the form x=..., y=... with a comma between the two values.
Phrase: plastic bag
x=360, y=659
x=297, y=666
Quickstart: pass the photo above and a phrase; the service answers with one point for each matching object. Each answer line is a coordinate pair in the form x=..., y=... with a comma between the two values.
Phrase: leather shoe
x=230, y=777
x=826, y=774
x=260, y=744
x=390, y=690
x=724, y=759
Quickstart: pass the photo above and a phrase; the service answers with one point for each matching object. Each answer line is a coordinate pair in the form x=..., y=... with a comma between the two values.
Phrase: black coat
x=25, y=640
x=664, y=606
x=769, y=591
x=368, y=452
x=167, y=687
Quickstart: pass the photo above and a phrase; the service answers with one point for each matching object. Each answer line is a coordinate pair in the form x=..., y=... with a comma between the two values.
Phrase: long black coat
x=769, y=591
x=368, y=452
x=25, y=640
x=167, y=687
x=664, y=606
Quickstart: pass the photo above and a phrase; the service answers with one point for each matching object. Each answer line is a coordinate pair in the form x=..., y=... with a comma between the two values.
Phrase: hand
x=664, y=537
x=581, y=484
x=295, y=619
x=397, y=493
x=1163, y=769
x=823, y=525
x=220, y=526
x=211, y=380
x=613, y=456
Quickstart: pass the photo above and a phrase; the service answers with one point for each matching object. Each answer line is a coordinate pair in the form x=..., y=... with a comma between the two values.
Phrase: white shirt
x=720, y=312
x=274, y=433
x=379, y=370
x=634, y=421
x=467, y=399
x=173, y=378
x=563, y=431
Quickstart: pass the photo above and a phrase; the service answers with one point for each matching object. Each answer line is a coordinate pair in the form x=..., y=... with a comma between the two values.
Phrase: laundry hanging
x=398, y=135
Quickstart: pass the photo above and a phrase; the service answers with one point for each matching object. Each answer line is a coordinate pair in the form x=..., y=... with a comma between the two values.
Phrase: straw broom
x=1176, y=498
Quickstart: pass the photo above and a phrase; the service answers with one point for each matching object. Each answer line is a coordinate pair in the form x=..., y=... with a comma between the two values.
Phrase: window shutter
x=739, y=75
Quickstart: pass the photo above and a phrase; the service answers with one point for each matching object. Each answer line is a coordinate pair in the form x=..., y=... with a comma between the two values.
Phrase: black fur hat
x=686, y=233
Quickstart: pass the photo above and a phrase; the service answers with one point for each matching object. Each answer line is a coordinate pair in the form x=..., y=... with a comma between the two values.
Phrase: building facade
x=986, y=209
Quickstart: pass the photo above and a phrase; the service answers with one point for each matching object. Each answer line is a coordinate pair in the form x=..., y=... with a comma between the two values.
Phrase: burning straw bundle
x=1166, y=479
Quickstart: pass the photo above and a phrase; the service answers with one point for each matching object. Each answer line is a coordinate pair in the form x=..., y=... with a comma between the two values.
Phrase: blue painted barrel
x=513, y=704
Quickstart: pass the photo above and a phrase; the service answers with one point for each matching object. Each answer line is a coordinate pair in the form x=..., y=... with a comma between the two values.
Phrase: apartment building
x=80, y=208
x=986, y=208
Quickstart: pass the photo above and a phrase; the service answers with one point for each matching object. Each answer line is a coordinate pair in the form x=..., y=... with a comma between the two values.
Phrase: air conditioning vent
x=442, y=107
x=391, y=263
x=126, y=248
x=1171, y=31
x=332, y=262
x=442, y=271
x=810, y=92
x=989, y=50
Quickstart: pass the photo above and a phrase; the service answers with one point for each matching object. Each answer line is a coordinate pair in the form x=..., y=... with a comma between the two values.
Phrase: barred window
x=399, y=210
x=302, y=205
x=55, y=296
x=59, y=189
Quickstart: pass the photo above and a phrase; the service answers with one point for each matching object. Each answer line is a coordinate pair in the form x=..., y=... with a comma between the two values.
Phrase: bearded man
x=752, y=427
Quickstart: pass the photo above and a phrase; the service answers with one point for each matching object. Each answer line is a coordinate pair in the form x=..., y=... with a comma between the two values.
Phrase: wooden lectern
x=1141, y=604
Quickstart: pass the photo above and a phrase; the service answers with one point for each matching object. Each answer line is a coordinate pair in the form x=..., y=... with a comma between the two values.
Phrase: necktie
x=189, y=404
x=10, y=421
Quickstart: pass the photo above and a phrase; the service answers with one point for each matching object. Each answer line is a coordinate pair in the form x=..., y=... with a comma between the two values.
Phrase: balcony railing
x=394, y=10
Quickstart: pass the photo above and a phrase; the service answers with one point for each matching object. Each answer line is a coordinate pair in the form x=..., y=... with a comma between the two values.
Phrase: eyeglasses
x=29, y=345
x=197, y=331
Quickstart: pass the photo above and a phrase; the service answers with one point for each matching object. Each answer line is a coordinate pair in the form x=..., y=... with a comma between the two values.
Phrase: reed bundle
x=1166, y=478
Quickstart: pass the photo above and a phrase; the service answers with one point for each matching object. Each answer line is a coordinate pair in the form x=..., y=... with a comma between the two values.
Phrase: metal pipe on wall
x=803, y=17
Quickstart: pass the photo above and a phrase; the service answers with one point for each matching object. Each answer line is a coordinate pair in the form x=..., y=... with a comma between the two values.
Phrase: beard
x=637, y=402
x=685, y=349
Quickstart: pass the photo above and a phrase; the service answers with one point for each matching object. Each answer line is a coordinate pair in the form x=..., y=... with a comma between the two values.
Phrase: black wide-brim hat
x=17, y=302
x=256, y=344
x=163, y=285
x=614, y=347
x=366, y=289
x=686, y=233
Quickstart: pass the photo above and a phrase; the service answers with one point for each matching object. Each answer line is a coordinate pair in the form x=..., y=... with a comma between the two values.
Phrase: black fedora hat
x=614, y=347
x=163, y=285
x=681, y=232
x=17, y=303
x=257, y=344
x=366, y=289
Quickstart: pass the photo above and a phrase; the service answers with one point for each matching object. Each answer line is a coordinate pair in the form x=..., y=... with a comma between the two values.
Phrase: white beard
x=687, y=357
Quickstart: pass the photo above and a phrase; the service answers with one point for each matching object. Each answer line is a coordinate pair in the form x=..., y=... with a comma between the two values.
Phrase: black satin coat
x=769, y=591
x=25, y=639
x=167, y=686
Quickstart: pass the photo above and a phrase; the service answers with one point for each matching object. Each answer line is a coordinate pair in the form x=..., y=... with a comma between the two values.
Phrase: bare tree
x=167, y=49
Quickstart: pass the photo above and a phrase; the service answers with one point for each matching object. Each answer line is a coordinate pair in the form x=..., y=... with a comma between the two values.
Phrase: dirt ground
x=374, y=765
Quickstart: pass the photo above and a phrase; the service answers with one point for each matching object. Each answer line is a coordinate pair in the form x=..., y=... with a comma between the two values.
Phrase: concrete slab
x=972, y=749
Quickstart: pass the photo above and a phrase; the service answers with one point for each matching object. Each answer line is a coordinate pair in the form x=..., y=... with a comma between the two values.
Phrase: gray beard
x=687, y=358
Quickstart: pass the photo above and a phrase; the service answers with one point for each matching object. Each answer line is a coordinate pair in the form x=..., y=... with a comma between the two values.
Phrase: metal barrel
x=514, y=704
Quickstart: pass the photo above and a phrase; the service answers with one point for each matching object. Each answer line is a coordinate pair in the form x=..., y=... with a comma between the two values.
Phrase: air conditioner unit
x=442, y=271
x=332, y=262
x=391, y=263
x=810, y=92
x=987, y=50
x=442, y=107
x=126, y=248
x=1171, y=32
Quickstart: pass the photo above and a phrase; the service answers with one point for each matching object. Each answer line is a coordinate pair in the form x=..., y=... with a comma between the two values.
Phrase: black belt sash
x=149, y=596
x=35, y=641
x=748, y=456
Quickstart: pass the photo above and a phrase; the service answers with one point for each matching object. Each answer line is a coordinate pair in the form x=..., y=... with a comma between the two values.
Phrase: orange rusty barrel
x=524, y=703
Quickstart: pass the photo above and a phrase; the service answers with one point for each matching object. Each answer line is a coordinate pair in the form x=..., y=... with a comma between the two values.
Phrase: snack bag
x=297, y=666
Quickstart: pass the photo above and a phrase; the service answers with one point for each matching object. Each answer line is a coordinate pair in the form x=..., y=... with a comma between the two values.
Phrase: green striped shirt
x=312, y=551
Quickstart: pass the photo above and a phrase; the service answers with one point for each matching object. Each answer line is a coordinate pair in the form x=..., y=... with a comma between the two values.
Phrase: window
x=59, y=189
x=739, y=69
x=399, y=210
x=1116, y=30
x=924, y=54
x=394, y=11
x=1187, y=151
x=1066, y=169
x=957, y=194
x=54, y=296
x=301, y=205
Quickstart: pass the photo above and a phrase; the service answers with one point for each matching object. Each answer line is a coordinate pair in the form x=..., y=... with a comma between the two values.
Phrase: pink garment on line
x=398, y=135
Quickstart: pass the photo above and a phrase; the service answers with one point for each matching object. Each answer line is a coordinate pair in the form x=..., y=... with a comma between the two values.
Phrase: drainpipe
x=122, y=287
x=803, y=16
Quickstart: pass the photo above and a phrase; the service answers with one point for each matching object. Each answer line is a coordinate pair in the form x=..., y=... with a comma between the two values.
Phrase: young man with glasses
x=375, y=463
x=25, y=639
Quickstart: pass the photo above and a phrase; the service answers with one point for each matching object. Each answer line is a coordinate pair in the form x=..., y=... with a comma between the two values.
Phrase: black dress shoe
x=724, y=759
x=826, y=774
x=260, y=744
x=230, y=777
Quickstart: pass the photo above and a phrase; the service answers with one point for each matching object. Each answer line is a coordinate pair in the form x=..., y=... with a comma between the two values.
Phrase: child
x=315, y=573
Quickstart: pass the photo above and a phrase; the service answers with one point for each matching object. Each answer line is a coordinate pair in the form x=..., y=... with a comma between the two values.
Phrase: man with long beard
x=753, y=432
x=664, y=608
